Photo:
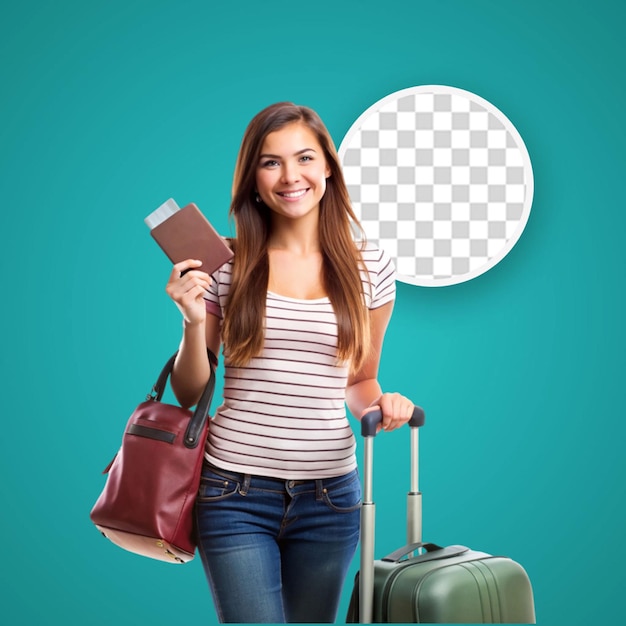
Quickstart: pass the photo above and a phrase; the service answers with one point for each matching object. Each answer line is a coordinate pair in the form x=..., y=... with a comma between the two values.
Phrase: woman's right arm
x=200, y=331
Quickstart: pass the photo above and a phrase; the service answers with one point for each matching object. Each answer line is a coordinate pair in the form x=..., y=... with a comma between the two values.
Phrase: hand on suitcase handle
x=370, y=421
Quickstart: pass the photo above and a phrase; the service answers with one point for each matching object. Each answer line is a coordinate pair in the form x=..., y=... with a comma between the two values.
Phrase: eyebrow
x=277, y=156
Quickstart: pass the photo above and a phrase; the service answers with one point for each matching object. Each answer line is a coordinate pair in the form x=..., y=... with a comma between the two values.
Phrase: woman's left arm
x=363, y=393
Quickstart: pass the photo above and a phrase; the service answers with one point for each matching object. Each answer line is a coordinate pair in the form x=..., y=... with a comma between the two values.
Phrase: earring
x=258, y=198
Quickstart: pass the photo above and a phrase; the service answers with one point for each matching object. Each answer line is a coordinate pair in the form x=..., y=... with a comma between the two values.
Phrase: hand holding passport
x=186, y=234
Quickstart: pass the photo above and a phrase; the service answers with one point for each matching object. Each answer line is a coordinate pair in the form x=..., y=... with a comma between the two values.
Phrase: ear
x=327, y=172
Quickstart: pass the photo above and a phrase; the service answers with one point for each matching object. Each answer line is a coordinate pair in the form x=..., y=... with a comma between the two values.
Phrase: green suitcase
x=436, y=585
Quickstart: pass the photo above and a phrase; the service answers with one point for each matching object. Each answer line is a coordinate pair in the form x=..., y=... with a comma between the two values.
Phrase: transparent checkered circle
x=440, y=179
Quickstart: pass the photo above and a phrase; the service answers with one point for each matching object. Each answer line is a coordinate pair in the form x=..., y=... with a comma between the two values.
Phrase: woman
x=301, y=311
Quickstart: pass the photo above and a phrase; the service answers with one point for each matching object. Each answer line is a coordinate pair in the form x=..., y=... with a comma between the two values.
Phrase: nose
x=289, y=173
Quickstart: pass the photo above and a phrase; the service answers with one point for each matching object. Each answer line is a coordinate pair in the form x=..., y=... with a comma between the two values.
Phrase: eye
x=306, y=157
x=269, y=163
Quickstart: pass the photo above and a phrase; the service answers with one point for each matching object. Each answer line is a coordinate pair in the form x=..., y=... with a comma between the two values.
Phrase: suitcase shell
x=441, y=585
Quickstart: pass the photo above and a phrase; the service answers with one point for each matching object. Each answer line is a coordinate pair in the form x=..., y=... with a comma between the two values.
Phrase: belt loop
x=245, y=486
x=319, y=489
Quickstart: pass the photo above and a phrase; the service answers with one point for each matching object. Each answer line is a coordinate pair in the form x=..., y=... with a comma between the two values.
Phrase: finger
x=406, y=413
x=184, y=266
x=401, y=412
x=197, y=274
x=194, y=294
x=386, y=406
x=178, y=285
x=397, y=410
x=179, y=289
x=199, y=282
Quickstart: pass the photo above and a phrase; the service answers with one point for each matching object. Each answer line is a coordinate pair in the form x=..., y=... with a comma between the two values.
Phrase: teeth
x=293, y=194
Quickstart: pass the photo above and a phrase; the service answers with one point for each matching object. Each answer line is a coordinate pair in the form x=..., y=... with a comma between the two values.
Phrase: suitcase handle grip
x=433, y=552
x=370, y=421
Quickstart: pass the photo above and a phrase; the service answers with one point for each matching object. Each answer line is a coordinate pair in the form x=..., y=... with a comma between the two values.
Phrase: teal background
x=110, y=108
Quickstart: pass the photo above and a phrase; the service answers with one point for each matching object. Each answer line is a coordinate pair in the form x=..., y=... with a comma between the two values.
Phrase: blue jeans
x=274, y=550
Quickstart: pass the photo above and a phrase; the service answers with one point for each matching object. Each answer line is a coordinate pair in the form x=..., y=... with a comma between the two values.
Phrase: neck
x=299, y=236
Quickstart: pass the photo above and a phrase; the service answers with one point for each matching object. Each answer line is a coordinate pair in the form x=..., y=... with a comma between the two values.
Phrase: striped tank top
x=283, y=415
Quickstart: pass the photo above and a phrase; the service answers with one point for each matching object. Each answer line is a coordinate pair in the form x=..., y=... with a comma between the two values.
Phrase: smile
x=292, y=195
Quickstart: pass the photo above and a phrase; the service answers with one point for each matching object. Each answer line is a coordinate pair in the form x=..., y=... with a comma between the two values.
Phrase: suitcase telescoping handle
x=369, y=425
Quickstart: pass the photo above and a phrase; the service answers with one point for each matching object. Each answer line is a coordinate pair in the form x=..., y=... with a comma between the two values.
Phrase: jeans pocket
x=214, y=487
x=344, y=496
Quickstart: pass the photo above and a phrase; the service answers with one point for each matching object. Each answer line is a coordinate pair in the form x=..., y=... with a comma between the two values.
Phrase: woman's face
x=292, y=171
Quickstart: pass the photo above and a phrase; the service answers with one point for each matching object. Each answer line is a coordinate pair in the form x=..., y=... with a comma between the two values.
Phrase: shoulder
x=376, y=260
x=224, y=272
x=378, y=274
x=221, y=280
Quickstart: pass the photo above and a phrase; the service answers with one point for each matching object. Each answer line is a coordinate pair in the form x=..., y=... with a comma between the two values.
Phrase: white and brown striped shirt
x=284, y=413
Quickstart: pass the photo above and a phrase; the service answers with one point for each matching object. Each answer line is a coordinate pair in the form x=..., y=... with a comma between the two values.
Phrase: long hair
x=242, y=330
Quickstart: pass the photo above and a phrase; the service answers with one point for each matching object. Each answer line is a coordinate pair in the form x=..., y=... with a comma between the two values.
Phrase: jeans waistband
x=245, y=480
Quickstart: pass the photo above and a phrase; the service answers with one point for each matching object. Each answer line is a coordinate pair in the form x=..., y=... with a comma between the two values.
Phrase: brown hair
x=245, y=310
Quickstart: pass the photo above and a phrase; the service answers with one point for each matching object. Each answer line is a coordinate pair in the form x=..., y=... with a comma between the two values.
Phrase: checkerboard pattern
x=441, y=180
